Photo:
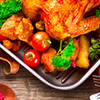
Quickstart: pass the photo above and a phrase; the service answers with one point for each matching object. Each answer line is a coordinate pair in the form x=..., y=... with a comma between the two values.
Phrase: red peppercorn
x=1, y=96
x=74, y=64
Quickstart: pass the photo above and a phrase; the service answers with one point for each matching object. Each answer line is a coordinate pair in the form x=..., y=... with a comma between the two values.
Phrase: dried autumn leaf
x=14, y=66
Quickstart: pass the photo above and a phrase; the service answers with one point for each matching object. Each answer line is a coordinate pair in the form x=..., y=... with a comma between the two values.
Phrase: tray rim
x=89, y=72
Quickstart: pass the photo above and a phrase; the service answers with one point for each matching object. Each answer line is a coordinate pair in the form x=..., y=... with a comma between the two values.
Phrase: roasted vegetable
x=83, y=61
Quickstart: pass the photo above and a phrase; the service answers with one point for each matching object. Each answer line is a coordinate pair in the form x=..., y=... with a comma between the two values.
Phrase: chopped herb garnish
x=94, y=49
x=60, y=60
x=8, y=8
x=98, y=12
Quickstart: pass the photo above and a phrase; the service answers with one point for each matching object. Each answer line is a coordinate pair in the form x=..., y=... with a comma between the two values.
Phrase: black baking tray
x=66, y=80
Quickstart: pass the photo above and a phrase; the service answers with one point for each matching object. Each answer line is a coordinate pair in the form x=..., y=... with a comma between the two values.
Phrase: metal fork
x=96, y=78
x=95, y=96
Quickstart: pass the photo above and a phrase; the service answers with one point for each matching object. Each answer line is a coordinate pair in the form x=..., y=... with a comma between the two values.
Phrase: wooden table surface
x=28, y=87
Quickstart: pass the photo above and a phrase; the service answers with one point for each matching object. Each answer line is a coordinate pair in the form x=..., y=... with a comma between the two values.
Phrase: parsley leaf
x=60, y=60
x=94, y=49
x=8, y=8
x=98, y=12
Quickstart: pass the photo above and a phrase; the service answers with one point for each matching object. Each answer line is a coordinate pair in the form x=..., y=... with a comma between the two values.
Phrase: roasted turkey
x=63, y=18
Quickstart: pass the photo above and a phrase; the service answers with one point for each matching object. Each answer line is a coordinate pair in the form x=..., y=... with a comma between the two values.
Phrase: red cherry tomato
x=3, y=37
x=31, y=58
x=41, y=41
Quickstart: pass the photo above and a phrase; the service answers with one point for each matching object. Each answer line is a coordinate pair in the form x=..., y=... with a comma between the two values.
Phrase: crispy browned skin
x=8, y=27
x=30, y=9
x=24, y=30
x=17, y=27
x=46, y=59
x=8, y=44
x=64, y=18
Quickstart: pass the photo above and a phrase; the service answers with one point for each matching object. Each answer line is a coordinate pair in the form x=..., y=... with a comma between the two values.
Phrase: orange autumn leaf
x=14, y=66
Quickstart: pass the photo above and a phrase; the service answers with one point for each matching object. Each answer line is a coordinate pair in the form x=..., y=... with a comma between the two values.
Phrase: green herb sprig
x=8, y=8
x=94, y=49
x=98, y=12
x=60, y=60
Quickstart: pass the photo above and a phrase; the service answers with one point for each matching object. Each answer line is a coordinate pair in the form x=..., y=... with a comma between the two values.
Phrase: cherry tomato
x=41, y=41
x=3, y=37
x=31, y=58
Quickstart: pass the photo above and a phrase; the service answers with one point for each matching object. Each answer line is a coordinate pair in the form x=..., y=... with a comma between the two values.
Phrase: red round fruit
x=41, y=41
x=31, y=58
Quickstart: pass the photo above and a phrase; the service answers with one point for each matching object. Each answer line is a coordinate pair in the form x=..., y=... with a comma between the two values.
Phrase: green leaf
x=48, y=41
x=95, y=46
x=60, y=62
x=1, y=22
x=69, y=49
x=98, y=12
x=91, y=49
x=94, y=49
x=8, y=8
x=94, y=40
